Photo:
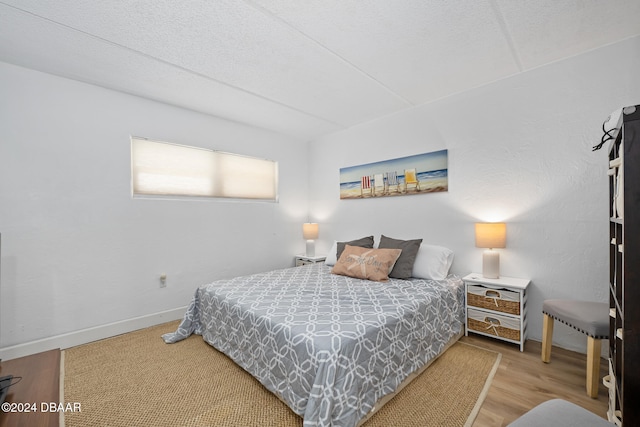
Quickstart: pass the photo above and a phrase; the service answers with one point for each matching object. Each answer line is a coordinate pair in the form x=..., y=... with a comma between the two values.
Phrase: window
x=165, y=169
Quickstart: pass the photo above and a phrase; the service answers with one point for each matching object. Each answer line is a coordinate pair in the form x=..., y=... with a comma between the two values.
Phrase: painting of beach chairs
x=417, y=174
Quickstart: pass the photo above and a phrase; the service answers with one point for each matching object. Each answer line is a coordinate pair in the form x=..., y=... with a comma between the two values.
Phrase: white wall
x=520, y=152
x=78, y=252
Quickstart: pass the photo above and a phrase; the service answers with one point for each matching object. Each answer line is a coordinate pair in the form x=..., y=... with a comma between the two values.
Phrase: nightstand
x=496, y=307
x=304, y=260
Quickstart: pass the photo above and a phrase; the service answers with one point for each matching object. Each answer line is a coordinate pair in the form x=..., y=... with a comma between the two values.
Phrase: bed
x=330, y=346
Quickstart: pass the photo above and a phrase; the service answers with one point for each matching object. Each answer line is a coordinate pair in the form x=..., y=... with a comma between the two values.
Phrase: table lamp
x=491, y=235
x=310, y=233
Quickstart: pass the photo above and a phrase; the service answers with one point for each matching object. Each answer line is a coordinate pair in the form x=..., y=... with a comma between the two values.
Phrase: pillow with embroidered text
x=338, y=247
x=366, y=263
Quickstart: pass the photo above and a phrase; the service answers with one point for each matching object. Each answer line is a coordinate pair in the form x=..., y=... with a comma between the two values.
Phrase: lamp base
x=311, y=248
x=490, y=264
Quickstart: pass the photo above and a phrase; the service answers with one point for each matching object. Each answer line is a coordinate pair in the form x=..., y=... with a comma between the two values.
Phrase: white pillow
x=432, y=262
x=332, y=256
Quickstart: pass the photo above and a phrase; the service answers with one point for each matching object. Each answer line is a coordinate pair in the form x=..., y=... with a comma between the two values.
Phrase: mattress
x=329, y=346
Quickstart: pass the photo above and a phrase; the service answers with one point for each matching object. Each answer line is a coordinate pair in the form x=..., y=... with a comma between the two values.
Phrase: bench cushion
x=558, y=412
x=591, y=318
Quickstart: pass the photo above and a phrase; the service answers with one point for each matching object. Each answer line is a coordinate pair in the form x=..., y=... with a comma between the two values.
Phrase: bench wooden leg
x=547, y=338
x=593, y=366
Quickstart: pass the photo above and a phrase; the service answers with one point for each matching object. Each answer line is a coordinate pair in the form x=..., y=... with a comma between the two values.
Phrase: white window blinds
x=164, y=169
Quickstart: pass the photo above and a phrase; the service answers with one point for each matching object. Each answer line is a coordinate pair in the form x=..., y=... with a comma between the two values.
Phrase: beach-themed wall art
x=417, y=174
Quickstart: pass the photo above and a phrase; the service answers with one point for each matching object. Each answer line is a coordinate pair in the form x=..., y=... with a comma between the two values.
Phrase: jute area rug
x=137, y=380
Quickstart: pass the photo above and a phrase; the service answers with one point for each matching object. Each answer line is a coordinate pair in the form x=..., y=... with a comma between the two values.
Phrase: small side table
x=304, y=260
x=496, y=307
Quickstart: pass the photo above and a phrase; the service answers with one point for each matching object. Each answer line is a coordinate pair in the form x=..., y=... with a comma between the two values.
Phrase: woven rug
x=137, y=380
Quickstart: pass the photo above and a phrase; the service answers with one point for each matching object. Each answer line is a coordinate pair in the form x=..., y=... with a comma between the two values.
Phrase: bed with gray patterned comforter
x=329, y=346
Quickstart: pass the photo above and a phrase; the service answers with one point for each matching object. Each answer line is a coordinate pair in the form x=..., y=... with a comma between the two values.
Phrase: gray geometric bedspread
x=329, y=346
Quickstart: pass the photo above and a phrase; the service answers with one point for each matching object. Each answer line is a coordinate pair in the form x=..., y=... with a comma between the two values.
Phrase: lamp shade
x=491, y=234
x=310, y=230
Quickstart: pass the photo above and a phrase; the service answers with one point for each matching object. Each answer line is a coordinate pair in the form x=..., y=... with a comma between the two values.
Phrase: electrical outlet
x=163, y=280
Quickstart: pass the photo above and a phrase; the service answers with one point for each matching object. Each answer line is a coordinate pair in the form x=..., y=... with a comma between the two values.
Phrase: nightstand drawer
x=494, y=299
x=493, y=324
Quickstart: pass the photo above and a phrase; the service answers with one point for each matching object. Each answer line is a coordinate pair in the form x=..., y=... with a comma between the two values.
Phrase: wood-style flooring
x=523, y=381
x=39, y=385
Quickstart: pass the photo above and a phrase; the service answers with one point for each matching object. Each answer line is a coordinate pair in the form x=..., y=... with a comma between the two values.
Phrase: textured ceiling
x=304, y=68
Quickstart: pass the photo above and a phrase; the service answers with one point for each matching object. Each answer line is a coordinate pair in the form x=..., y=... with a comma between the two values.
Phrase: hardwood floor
x=523, y=381
x=40, y=384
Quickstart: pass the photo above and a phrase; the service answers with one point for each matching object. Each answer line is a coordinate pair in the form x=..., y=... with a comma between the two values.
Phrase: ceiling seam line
x=507, y=35
x=316, y=42
x=179, y=67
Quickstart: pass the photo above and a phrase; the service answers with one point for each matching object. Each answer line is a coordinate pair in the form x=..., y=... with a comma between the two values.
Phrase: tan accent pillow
x=366, y=263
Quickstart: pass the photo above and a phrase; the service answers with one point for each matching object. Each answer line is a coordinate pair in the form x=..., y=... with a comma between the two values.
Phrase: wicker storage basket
x=493, y=324
x=494, y=299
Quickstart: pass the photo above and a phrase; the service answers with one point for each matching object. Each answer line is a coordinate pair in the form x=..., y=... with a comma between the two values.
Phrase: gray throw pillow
x=404, y=265
x=365, y=242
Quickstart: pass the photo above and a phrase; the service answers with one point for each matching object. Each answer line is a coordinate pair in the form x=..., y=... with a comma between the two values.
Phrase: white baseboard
x=85, y=336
